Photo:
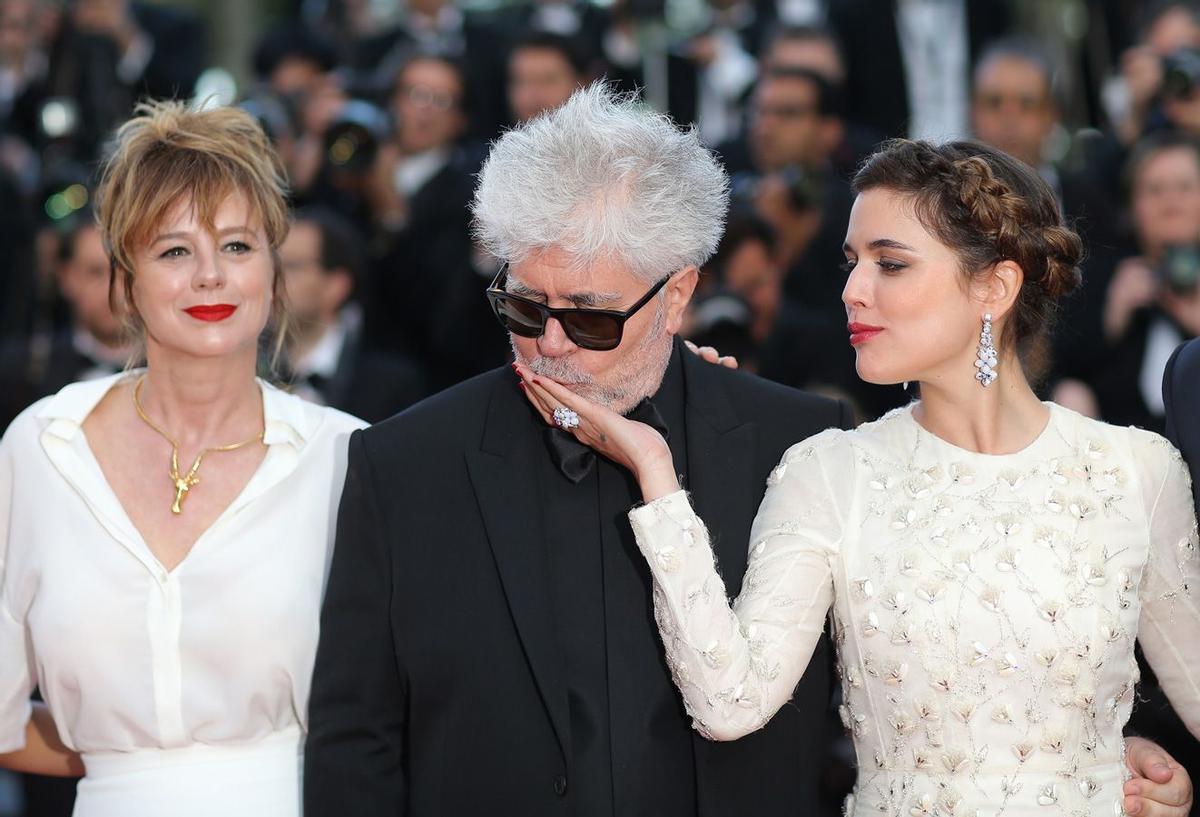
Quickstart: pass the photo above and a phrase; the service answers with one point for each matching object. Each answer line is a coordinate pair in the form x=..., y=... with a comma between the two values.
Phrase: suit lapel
x=721, y=449
x=502, y=474
x=721, y=452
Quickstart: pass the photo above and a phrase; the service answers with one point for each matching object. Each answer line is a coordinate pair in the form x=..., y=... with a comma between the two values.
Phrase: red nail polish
x=521, y=383
x=537, y=382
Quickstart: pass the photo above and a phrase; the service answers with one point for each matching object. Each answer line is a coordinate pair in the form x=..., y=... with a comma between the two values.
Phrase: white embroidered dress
x=984, y=609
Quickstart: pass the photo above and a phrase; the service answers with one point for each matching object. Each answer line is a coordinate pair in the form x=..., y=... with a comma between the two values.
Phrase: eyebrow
x=582, y=299
x=881, y=243
x=178, y=235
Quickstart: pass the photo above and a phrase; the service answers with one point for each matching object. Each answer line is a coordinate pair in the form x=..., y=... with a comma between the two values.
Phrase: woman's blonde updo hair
x=988, y=207
x=169, y=153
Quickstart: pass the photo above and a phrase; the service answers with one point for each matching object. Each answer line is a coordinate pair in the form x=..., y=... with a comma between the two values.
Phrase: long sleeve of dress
x=737, y=666
x=16, y=660
x=1169, y=625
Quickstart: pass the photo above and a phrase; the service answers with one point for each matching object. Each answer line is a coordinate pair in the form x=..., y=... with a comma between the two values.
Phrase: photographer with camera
x=1153, y=301
x=299, y=97
x=782, y=171
x=23, y=69
x=108, y=54
x=1153, y=88
x=1016, y=107
x=418, y=192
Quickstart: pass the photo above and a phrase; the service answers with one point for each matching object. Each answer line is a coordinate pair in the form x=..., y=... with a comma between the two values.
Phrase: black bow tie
x=575, y=459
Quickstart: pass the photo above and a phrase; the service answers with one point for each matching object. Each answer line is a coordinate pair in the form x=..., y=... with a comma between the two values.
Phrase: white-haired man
x=487, y=642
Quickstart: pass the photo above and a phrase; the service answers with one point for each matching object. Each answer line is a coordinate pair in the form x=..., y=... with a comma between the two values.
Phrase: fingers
x=711, y=355
x=548, y=395
x=534, y=397
x=1146, y=798
x=552, y=393
x=1148, y=760
x=1143, y=807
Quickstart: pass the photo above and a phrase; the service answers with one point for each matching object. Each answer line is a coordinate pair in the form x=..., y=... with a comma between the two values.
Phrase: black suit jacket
x=438, y=688
x=410, y=279
x=371, y=384
x=23, y=383
x=876, y=88
x=1181, y=393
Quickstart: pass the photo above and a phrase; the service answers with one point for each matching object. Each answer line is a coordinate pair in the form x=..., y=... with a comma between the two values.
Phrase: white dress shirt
x=128, y=655
x=935, y=49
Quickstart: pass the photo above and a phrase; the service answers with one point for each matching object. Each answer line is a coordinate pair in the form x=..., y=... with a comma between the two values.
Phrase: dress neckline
x=958, y=451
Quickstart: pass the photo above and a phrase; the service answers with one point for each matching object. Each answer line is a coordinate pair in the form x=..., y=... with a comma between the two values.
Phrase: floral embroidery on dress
x=984, y=609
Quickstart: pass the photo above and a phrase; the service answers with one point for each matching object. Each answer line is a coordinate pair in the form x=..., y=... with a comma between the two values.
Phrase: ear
x=833, y=131
x=338, y=286
x=678, y=293
x=1000, y=291
x=64, y=279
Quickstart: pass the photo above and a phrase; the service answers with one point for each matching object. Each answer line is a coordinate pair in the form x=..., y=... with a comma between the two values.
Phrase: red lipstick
x=211, y=312
x=862, y=332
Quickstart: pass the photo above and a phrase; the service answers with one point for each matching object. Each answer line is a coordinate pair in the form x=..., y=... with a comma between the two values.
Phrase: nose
x=854, y=294
x=554, y=341
x=208, y=273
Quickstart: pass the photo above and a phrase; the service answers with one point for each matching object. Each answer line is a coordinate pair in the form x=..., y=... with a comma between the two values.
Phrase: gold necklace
x=183, y=482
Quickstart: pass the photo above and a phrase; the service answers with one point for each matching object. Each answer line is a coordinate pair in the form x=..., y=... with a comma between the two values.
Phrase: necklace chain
x=183, y=482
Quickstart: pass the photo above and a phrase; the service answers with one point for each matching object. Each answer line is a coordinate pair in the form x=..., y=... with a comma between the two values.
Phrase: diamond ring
x=565, y=419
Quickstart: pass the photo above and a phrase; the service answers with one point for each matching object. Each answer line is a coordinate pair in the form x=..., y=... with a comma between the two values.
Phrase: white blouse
x=129, y=655
x=984, y=609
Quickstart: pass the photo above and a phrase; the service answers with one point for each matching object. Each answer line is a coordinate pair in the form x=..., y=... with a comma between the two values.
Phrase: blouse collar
x=286, y=417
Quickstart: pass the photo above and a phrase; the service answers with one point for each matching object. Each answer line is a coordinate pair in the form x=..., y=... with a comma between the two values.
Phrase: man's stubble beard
x=638, y=375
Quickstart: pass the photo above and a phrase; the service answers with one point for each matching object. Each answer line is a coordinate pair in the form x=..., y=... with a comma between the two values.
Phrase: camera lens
x=352, y=141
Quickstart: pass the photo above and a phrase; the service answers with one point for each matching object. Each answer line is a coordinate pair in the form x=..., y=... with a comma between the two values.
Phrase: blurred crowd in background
x=382, y=113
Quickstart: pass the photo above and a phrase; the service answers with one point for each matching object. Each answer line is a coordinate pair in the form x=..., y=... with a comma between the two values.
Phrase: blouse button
x=560, y=785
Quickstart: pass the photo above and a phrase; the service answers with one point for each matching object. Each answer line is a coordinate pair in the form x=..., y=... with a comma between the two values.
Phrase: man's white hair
x=602, y=177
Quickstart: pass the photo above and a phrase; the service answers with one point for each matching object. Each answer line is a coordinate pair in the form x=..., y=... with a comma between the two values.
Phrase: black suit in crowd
x=370, y=384
x=410, y=282
x=876, y=90
x=488, y=643
x=26, y=376
x=1181, y=394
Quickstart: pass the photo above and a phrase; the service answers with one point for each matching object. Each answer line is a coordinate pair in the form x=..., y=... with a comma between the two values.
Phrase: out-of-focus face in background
x=18, y=31
x=83, y=280
x=296, y=75
x=1165, y=198
x=315, y=294
x=814, y=53
x=427, y=105
x=752, y=273
x=539, y=79
x=786, y=126
x=1012, y=107
x=1173, y=30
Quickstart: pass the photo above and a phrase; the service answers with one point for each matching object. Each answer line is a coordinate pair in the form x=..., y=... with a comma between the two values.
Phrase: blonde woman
x=164, y=533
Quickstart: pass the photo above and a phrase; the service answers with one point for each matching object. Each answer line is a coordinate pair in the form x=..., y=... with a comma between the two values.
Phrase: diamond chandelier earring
x=985, y=359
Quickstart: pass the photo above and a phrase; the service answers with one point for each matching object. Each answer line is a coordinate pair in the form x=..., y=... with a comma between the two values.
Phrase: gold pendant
x=184, y=483
x=182, y=486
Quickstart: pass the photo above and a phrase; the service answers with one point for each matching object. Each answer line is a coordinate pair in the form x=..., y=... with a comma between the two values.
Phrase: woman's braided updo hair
x=988, y=207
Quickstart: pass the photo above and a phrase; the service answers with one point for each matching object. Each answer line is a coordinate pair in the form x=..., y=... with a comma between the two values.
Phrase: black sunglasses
x=596, y=329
